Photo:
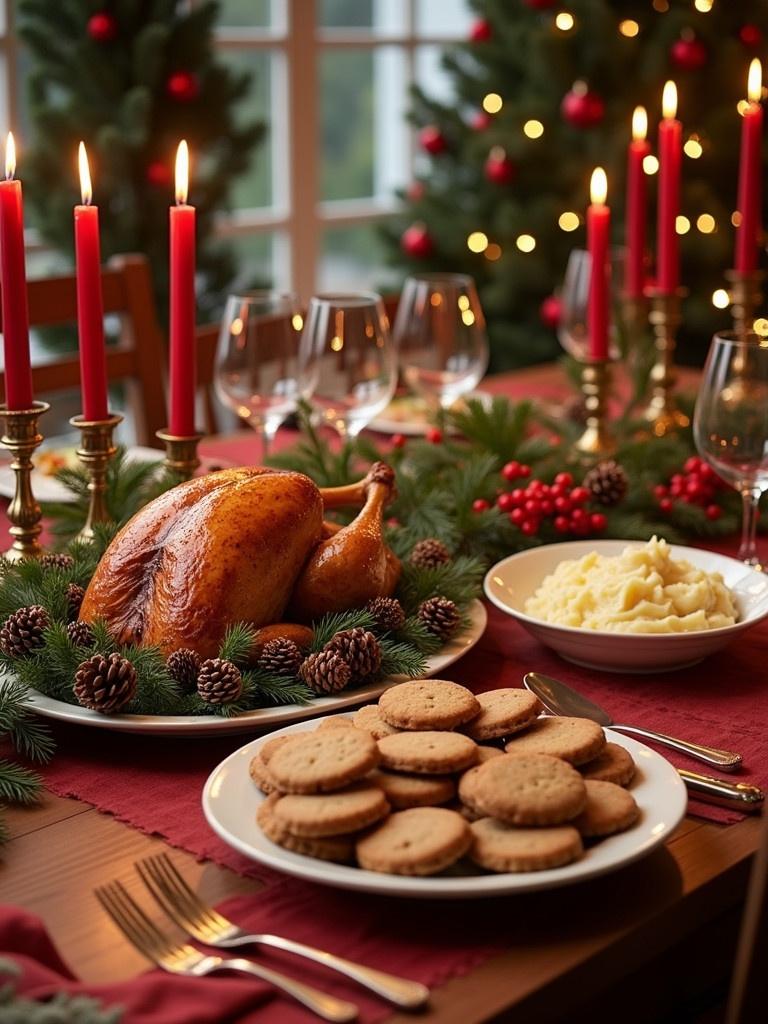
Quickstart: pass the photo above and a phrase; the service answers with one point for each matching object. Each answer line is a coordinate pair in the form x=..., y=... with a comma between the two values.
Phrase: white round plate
x=512, y=581
x=261, y=718
x=230, y=800
x=390, y=423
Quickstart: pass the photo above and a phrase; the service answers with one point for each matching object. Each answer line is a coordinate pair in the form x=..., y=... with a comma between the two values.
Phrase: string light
x=463, y=302
x=682, y=225
x=736, y=218
x=650, y=164
x=706, y=223
x=629, y=28
x=693, y=148
x=525, y=243
x=568, y=221
x=720, y=298
x=760, y=326
x=703, y=6
x=297, y=321
x=662, y=6
x=493, y=252
x=492, y=103
x=564, y=21
x=468, y=317
x=477, y=241
x=533, y=129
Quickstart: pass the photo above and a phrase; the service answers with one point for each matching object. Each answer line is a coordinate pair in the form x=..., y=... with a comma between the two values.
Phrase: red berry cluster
x=698, y=484
x=559, y=501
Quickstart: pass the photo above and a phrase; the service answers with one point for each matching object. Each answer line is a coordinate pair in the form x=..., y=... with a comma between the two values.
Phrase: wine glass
x=730, y=423
x=347, y=360
x=440, y=333
x=256, y=366
x=574, y=297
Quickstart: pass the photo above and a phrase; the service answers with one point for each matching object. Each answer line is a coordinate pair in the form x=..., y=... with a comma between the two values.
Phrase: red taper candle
x=670, y=159
x=183, y=354
x=598, y=238
x=750, y=205
x=637, y=201
x=90, y=305
x=13, y=282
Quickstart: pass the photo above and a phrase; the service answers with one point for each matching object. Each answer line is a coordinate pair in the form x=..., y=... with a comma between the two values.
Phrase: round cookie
x=340, y=849
x=337, y=722
x=573, y=739
x=608, y=809
x=419, y=841
x=430, y=753
x=271, y=747
x=331, y=814
x=500, y=847
x=612, y=764
x=486, y=753
x=323, y=761
x=525, y=789
x=369, y=720
x=403, y=791
x=261, y=775
x=428, y=704
x=503, y=712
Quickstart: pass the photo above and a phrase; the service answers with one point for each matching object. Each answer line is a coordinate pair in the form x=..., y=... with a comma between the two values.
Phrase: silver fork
x=188, y=911
x=181, y=958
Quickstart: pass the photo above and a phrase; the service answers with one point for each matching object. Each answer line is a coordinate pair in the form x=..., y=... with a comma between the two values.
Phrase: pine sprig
x=28, y=735
x=270, y=690
x=337, y=622
x=458, y=580
x=414, y=633
x=401, y=659
x=19, y=785
x=237, y=644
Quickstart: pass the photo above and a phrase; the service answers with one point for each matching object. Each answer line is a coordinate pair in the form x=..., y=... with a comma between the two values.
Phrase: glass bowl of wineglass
x=730, y=424
x=574, y=298
x=256, y=369
x=347, y=360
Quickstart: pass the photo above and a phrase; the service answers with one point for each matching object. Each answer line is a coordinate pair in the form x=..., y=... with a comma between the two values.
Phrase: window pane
x=364, y=145
x=354, y=256
x=245, y=13
x=345, y=13
x=255, y=259
x=254, y=187
x=443, y=18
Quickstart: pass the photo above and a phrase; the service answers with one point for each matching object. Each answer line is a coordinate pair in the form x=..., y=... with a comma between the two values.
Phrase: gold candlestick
x=95, y=451
x=180, y=453
x=597, y=439
x=665, y=317
x=746, y=295
x=21, y=437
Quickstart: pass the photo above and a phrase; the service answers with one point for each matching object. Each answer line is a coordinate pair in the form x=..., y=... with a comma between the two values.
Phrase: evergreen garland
x=61, y=1008
x=30, y=738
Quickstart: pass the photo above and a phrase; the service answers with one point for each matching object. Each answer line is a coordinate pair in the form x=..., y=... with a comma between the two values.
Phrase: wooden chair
x=139, y=358
x=748, y=999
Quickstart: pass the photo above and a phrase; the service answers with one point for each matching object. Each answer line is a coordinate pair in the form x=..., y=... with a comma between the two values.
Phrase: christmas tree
x=131, y=79
x=544, y=93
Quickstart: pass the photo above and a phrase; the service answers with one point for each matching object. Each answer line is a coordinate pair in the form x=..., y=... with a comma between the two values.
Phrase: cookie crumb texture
x=323, y=761
x=419, y=841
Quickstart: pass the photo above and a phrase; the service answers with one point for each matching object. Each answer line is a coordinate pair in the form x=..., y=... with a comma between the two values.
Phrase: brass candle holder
x=662, y=415
x=181, y=455
x=21, y=438
x=597, y=438
x=96, y=449
x=746, y=295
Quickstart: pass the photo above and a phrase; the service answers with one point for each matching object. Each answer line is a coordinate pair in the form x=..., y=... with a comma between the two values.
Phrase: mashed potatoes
x=642, y=590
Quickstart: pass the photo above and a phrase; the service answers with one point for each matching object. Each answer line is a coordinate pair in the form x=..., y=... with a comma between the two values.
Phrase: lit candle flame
x=669, y=101
x=639, y=124
x=85, y=175
x=10, y=157
x=598, y=187
x=755, y=81
x=182, y=172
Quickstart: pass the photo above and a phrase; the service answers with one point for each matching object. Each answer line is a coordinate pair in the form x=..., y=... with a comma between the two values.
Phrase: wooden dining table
x=627, y=946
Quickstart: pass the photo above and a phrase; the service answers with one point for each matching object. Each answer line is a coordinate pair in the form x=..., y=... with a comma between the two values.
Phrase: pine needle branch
x=19, y=785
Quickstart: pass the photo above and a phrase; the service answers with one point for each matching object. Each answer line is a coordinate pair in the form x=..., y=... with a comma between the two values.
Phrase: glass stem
x=750, y=497
x=267, y=437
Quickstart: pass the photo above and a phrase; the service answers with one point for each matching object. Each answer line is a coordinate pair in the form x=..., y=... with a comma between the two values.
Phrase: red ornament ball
x=550, y=311
x=158, y=173
x=415, y=191
x=102, y=27
x=688, y=53
x=481, y=120
x=183, y=86
x=481, y=31
x=750, y=35
x=417, y=242
x=499, y=168
x=398, y=440
x=432, y=140
x=539, y=5
x=582, y=107
x=434, y=436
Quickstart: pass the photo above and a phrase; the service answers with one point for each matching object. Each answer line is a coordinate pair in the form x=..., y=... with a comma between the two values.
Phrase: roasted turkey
x=241, y=545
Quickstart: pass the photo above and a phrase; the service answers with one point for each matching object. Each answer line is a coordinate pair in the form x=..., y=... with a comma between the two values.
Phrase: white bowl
x=512, y=581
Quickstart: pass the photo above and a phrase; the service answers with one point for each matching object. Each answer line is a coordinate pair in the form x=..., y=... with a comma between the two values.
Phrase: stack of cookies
x=434, y=774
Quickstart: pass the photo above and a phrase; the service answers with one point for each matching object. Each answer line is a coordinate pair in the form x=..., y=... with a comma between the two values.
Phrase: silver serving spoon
x=560, y=699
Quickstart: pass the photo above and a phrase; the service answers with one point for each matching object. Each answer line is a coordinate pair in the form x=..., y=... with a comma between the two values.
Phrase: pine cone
x=575, y=410
x=105, y=684
x=75, y=595
x=360, y=649
x=57, y=560
x=388, y=612
x=22, y=632
x=280, y=656
x=183, y=666
x=440, y=616
x=430, y=553
x=80, y=634
x=326, y=672
x=219, y=681
x=607, y=482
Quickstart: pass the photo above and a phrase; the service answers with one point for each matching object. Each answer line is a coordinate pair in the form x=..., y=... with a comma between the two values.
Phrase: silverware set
x=185, y=908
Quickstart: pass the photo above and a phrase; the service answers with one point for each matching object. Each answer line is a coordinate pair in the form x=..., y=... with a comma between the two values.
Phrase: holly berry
x=480, y=505
x=517, y=495
x=547, y=507
x=511, y=470
x=432, y=140
x=481, y=31
x=398, y=440
x=579, y=495
x=562, y=524
x=533, y=506
x=713, y=512
x=498, y=168
x=563, y=504
x=506, y=502
x=660, y=491
x=582, y=107
x=102, y=27
x=434, y=435
x=525, y=471
x=598, y=521
x=564, y=479
x=551, y=311
x=578, y=515
x=750, y=36
x=183, y=86
x=416, y=241
x=693, y=464
x=530, y=527
x=688, y=52
x=666, y=505
x=539, y=5
x=516, y=516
